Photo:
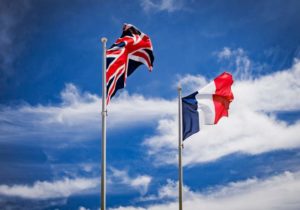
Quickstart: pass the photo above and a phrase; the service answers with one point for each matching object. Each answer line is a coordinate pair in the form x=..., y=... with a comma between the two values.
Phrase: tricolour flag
x=213, y=100
x=131, y=50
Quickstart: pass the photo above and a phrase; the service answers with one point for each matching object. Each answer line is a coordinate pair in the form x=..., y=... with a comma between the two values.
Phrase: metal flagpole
x=104, y=114
x=180, y=178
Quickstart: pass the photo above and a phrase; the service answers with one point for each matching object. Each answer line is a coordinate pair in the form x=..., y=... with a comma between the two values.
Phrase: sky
x=50, y=105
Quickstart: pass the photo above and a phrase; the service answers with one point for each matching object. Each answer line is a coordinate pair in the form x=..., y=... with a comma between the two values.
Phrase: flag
x=213, y=100
x=131, y=50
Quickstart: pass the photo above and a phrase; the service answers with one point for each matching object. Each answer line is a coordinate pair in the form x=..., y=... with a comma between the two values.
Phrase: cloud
x=83, y=208
x=238, y=60
x=252, y=126
x=191, y=83
x=48, y=190
x=274, y=92
x=78, y=115
x=225, y=53
x=277, y=192
x=168, y=192
x=7, y=203
x=140, y=182
x=162, y=5
x=11, y=17
x=45, y=190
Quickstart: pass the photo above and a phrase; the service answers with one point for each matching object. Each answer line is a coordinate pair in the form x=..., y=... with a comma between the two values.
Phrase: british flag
x=131, y=50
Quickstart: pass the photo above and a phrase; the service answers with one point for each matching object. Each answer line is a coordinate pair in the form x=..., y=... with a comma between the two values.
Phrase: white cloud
x=191, y=83
x=275, y=92
x=127, y=208
x=238, y=60
x=41, y=190
x=47, y=190
x=79, y=115
x=251, y=128
x=140, y=182
x=11, y=16
x=128, y=109
x=278, y=192
x=168, y=192
x=83, y=208
x=162, y=5
x=225, y=53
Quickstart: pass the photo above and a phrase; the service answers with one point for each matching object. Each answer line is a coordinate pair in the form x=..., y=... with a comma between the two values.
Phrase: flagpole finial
x=179, y=88
x=103, y=39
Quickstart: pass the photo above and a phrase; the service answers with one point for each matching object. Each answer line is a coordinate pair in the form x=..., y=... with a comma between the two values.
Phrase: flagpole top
x=103, y=39
x=179, y=88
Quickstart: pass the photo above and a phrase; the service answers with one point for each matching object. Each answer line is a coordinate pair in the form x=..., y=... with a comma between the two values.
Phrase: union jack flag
x=131, y=50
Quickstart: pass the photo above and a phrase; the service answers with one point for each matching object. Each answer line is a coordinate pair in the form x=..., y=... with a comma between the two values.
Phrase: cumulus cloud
x=168, y=192
x=140, y=182
x=238, y=60
x=162, y=5
x=191, y=83
x=43, y=190
x=277, y=192
x=79, y=115
x=83, y=208
x=251, y=128
x=275, y=92
x=51, y=121
x=47, y=190
x=11, y=17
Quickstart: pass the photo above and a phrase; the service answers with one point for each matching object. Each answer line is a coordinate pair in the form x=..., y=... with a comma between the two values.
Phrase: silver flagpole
x=104, y=114
x=180, y=178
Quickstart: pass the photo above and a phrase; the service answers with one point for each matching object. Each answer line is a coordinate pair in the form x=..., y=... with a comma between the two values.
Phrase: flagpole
x=180, y=173
x=104, y=114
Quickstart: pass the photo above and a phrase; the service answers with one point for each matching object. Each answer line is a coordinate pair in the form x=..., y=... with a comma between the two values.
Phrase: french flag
x=213, y=100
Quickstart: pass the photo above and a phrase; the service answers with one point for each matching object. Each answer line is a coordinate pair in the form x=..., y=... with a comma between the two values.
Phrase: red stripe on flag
x=223, y=95
x=113, y=85
x=114, y=66
x=146, y=58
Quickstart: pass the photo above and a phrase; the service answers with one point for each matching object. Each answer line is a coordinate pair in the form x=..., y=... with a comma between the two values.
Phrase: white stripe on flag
x=206, y=103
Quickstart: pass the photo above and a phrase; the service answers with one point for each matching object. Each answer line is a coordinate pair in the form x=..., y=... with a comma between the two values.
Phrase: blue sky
x=50, y=100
